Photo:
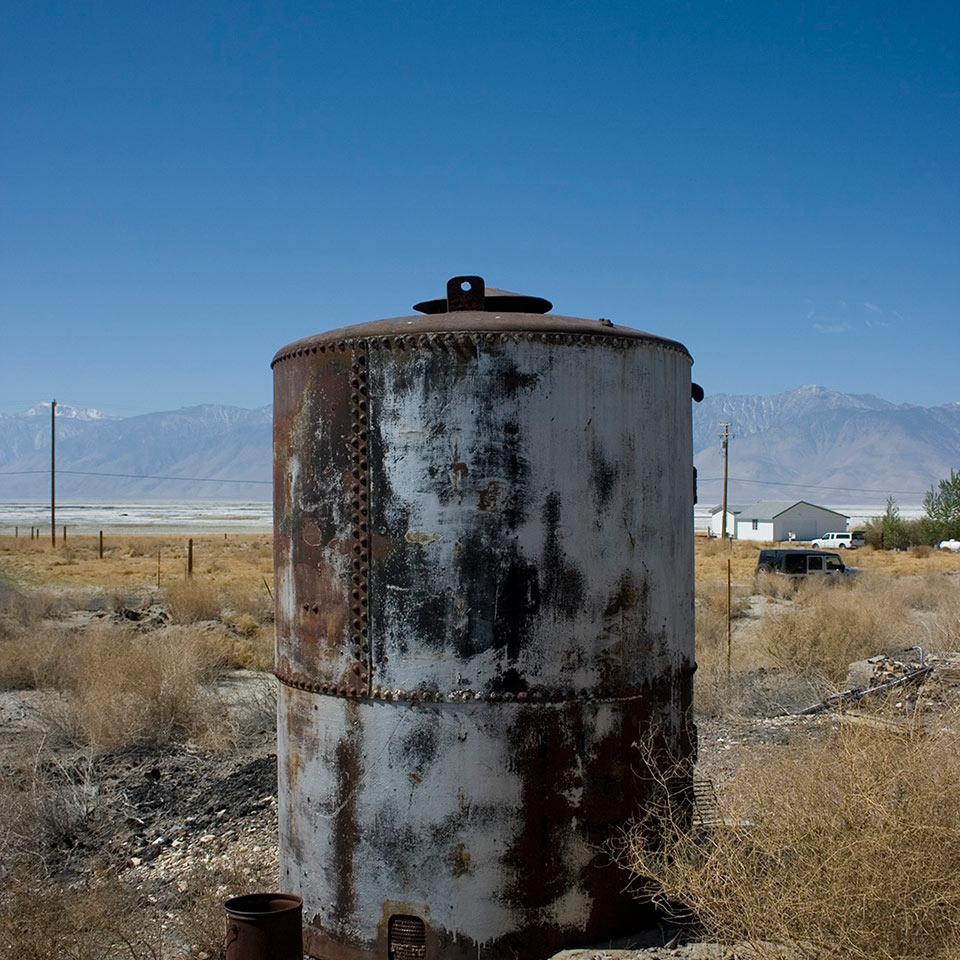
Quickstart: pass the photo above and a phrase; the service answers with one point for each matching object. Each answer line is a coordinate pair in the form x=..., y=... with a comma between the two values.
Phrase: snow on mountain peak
x=42, y=409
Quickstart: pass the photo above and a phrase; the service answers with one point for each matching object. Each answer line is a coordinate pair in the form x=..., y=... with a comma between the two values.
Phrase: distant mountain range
x=825, y=446
x=210, y=441
x=808, y=443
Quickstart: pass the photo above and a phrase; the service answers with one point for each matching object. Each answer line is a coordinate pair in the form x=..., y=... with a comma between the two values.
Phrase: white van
x=838, y=541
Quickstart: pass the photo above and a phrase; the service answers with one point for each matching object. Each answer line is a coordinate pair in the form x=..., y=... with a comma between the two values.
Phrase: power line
x=150, y=476
x=132, y=476
x=816, y=486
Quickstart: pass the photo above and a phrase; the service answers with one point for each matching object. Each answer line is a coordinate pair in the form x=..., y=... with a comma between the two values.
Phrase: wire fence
x=131, y=476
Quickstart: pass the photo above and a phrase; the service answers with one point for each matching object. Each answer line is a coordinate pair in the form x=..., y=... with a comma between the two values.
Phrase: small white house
x=777, y=520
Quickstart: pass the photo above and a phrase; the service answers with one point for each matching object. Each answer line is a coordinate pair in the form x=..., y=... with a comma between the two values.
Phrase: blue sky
x=185, y=187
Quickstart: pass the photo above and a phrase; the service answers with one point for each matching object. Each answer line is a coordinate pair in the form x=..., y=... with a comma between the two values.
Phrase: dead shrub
x=711, y=546
x=191, y=600
x=245, y=624
x=775, y=585
x=122, y=688
x=246, y=651
x=30, y=643
x=848, y=848
x=712, y=594
x=944, y=631
x=44, y=809
x=142, y=547
x=832, y=623
x=921, y=551
x=103, y=920
x=249, y=600
x=712, y=692
x=29, y=657
x=67, y=554
x=258, y=711
x=710, y=688
x=27, y=608
x=116, y=600
x=922, y=593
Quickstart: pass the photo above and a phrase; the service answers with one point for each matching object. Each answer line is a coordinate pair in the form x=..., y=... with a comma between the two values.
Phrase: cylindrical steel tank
x=484, y=582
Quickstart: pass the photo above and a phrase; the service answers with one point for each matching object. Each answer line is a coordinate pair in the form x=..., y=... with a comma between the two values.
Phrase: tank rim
x=478, y=323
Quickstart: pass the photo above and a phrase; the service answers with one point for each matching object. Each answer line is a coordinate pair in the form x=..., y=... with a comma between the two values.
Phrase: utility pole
x=725, y=446
x=53, y=473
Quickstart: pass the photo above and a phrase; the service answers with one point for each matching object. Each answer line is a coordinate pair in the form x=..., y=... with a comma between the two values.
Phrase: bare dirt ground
x=192, y=807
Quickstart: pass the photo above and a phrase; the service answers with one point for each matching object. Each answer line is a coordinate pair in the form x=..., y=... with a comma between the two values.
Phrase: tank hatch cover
x=471, y=293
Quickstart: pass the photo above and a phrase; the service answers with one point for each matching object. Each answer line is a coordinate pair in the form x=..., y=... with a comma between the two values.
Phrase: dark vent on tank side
x=407, y=938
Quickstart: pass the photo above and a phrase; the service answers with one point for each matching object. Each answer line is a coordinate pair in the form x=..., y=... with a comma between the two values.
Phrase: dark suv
x=801, y=563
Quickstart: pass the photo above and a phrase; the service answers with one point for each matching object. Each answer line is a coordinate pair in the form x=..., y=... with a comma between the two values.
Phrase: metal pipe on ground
x=264, y=926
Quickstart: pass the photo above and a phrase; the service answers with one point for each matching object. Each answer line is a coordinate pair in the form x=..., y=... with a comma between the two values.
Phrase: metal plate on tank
x=491, y=825
x=320, y=506
x=520, y=496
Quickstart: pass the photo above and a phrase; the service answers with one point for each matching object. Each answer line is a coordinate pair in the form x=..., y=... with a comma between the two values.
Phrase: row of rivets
x=359, y=518
x=455, y=339
x=544, y=696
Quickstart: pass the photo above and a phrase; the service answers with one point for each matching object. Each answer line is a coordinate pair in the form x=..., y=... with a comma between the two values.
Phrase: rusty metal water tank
x=484, y=582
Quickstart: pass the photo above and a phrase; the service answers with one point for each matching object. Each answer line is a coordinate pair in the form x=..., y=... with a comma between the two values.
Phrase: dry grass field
x=137, y=739
x=137, y=773
x=131, y=561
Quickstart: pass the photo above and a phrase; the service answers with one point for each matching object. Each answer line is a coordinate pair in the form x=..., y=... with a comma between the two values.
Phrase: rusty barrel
x=484, y=587
x=264, y=926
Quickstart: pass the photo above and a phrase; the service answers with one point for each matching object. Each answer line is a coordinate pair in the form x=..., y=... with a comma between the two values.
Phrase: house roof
x=767, y=510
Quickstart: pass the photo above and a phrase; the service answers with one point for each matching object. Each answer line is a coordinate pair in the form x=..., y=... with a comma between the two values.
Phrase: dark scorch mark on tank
x=518, y=602
x=603, y=476
x=514, y=379
x=395, y=841
x=563, y=583
x=346, y=835
x=508, y=681
x=501, y=590
x=544, y=758
x=624, y=598
x=516, y=470
x=419, y=748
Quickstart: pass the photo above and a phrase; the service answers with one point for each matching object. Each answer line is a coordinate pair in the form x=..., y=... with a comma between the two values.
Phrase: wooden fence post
x=100, y=546
x=729, y=618
x=190, y=557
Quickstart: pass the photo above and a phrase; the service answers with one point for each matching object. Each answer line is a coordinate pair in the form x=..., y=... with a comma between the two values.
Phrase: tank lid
x=471, y=293
x=473, y=308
